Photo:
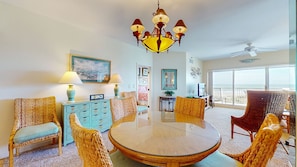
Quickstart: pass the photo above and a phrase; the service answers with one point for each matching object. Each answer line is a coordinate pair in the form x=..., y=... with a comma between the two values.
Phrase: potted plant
x=169, y=92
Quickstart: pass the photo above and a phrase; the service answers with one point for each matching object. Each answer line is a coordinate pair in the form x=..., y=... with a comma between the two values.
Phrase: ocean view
x=223, y=93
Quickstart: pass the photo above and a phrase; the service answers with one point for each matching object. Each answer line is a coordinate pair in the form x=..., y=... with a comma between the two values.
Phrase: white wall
x=193, y=65
x=34, y=54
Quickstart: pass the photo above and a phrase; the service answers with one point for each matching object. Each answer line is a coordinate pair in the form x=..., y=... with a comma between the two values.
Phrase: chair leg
x=287, y=151
x=17, y=152
x=60, y=144
x=232, y=130
x=251, y=136
x=10, y=155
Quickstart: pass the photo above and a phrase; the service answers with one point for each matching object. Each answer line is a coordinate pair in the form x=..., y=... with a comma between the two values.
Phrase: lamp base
x=116, y=90
x=70, y=93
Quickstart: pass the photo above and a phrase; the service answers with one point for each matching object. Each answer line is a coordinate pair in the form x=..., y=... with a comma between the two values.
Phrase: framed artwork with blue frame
x=169, y=79
x=91, y=69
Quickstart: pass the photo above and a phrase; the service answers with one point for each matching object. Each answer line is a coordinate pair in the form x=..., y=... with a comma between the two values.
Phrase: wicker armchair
x=91, y=148
x=35, y=121
x=257, y=155
x=190, y=106
x=122, y=107
x=142, y=106
x=259, y=103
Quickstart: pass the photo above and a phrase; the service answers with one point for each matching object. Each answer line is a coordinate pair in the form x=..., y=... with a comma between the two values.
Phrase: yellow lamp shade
x=151, y=44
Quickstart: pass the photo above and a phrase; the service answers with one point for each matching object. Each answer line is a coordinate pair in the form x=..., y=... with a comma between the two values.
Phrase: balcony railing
x=226, y=95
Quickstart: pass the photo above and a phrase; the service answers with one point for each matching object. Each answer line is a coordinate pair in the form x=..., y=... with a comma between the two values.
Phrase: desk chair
x=92, y=151
x=257, y=155
x=35, y=120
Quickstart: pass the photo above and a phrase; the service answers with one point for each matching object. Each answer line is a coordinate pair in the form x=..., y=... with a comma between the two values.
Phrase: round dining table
x=164, y=138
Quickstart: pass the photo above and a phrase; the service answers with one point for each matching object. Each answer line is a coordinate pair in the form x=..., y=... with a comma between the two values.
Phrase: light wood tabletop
x=165, y=138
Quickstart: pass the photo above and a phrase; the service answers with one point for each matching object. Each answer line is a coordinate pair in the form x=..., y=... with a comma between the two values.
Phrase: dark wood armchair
x=259, y=103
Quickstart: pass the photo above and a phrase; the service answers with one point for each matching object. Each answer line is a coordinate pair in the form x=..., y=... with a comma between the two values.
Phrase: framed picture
x=97, y=97
x=144, y=71
x=169, y=79
x=91, y=69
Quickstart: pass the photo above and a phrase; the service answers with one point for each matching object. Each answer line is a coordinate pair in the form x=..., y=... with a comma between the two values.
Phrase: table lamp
x=116, y=79
x=71, y=78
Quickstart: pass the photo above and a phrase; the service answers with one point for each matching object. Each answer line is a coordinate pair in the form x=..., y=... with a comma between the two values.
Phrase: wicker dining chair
x=257, y=155
x=91, y=148
x=142, y=106
x=259, y=103
x=190, y=106
x=121, y=107
x=35, y=120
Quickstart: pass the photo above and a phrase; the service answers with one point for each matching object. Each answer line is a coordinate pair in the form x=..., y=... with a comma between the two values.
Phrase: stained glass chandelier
x=156, y=41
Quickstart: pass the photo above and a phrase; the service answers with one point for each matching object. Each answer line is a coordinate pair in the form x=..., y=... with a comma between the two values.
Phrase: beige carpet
x=219, y=117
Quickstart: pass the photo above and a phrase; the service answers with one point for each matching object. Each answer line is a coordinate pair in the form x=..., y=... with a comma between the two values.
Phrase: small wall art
x=169, y=79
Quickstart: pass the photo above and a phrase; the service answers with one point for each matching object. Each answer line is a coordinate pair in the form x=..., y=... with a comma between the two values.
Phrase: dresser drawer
x=77, y=107
x=83, y=113
x=85, y=121
x=101, y=124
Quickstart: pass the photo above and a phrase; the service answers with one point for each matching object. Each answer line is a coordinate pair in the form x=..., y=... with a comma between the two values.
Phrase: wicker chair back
x=190, y=106
x=121, y=107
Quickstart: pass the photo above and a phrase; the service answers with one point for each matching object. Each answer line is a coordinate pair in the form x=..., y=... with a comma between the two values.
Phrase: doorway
x=143, y=85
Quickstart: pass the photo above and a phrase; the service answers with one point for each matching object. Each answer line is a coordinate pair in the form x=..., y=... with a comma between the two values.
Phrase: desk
x=165, y=139
x=166, y=103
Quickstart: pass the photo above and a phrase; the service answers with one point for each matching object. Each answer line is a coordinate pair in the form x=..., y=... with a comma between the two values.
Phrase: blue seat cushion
x=217, y=159
x=142, y=108
x=36, y=131
x=120, y=160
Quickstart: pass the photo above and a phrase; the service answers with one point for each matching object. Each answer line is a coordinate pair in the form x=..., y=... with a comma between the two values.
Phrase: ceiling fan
x=250, y=50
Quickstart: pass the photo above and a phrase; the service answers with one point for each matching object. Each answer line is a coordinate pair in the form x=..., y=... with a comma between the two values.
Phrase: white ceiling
x=216, y=28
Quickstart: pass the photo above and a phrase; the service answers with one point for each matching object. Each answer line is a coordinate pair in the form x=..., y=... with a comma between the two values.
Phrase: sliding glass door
x=282, y=78
x=230, y=86
x=247, y=79
x=222, y=87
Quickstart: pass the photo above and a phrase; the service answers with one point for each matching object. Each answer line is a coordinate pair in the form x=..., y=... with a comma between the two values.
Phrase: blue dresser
x=92, y=114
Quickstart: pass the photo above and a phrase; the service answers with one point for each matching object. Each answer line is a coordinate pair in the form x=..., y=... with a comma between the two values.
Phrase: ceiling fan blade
x=265, y=49
x=239, y=53
x=253, y=53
